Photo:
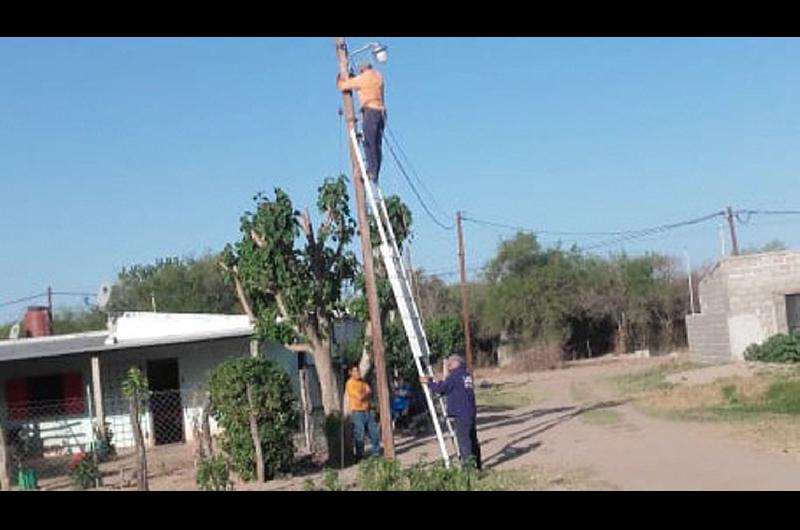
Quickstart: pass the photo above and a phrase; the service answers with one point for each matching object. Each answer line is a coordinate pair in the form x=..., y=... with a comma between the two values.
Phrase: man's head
x=454, y=362
x=364, y=66
x=355, y=371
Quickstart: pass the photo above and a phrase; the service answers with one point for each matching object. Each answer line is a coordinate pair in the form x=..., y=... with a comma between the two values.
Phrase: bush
x=783, y=397
x=330, y=482
x=439, y=478
x=213, y=474
x=276, y=414
x=779, y=348
x=84, y=472
x=379, y=474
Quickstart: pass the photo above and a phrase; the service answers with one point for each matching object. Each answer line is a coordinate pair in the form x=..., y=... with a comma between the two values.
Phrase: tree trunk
x=5, y=480
x=328, y=382
x=365, y=363
x=256, y=435
x=622, y=335
x=206, y=441
x=138, y=439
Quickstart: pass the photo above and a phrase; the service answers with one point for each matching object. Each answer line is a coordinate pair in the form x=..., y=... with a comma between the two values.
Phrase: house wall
x=54, y=432
x=743, y=302
x=195, y=362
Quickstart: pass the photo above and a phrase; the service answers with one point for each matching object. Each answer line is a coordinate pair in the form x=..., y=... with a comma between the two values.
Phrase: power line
x=420, y=181
x=655, y=230
x=42, y=295
x=536, y=231
x=20, y=300
x=416, y=192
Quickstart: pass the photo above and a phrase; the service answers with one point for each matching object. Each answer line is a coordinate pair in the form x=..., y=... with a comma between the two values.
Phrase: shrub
x=779, y=348
x=380, y=474
x=275, y=408
x=783, y=397
x=729, y=393
x=213, y=474
x=84, y=472
x=439, y=478
x=330, y=482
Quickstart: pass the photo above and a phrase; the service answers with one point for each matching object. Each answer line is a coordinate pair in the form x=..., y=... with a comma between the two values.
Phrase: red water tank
x=37, y=322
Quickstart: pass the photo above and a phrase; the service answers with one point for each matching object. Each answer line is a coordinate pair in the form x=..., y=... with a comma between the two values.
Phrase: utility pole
x=50, y=308
x=721, y=240
x=387, y=437
x=691, y=289
x=464, y=301
x=734, y=243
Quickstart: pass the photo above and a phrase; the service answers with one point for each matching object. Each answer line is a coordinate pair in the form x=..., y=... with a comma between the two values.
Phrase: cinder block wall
x=743, y=302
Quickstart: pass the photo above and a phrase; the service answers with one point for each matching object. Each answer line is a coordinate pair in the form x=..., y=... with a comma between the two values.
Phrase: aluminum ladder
x=401, y=287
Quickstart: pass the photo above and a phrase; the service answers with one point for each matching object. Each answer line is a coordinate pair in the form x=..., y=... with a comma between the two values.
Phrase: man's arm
x=439, y=387
x=349, y=84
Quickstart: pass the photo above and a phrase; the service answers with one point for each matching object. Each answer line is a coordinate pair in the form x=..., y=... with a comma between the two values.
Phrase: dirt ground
x=573, y=429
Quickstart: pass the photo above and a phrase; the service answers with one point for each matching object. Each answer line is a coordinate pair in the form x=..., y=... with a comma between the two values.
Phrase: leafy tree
x=178, y=285
x=292, y=275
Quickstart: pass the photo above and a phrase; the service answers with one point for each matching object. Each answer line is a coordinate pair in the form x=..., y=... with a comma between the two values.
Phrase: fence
x=43, y=437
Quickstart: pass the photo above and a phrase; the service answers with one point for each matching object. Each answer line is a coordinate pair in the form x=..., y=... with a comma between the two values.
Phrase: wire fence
x=45, y=439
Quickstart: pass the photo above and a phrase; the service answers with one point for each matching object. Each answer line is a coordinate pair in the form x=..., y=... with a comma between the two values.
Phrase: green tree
x=177, y=285
x=292, y=275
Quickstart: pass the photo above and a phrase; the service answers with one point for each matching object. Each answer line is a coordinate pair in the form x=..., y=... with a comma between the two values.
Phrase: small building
x=745, y=300
x=57, y=389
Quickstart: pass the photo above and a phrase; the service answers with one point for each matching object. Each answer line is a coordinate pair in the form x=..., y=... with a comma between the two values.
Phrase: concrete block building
x=745, y=300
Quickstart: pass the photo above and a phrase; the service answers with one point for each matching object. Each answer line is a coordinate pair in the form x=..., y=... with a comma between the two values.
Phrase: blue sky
x=119, y=151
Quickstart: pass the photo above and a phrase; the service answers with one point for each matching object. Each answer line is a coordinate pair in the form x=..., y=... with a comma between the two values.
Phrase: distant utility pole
x=734, y=243
x=387, y=438
x=721, y=240
x=464, y=300
x=691, y=288
x=50, y=307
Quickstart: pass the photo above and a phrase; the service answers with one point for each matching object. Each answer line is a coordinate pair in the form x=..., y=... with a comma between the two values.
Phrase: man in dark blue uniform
x=459, y=389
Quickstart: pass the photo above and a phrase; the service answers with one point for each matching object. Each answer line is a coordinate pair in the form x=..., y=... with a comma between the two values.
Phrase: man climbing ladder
x=369, y=84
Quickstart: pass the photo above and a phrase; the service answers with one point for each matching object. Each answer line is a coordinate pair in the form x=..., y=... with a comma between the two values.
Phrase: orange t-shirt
x=357, y=394
x=370, y=88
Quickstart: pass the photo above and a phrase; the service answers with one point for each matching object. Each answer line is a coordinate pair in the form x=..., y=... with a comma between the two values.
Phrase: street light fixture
x=380, y=51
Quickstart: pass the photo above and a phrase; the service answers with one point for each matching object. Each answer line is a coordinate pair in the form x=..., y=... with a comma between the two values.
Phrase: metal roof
x=95, y=342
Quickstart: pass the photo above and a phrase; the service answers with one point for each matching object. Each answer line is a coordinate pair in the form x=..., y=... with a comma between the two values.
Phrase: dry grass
x=509, y=395
x=531, y=478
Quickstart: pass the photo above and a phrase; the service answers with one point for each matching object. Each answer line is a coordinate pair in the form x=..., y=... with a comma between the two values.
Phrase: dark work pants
x=467, y=436
x=374, y=121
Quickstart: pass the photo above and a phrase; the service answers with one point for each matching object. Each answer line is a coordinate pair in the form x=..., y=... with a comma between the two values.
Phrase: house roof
x=135, y=335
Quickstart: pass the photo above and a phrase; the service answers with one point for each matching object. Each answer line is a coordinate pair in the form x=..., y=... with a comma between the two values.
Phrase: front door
x=793, y=313
x=165, y=401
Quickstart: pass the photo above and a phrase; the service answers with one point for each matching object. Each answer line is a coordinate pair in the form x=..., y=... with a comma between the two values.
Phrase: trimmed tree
x=291, y=274
x=252, y=400
x=135, y=389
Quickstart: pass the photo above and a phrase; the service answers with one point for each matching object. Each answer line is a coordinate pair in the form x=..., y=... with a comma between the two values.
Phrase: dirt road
x=582, y=424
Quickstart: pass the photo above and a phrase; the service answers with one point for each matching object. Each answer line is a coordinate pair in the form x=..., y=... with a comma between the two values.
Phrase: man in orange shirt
x=369, y=84
x=358, y=393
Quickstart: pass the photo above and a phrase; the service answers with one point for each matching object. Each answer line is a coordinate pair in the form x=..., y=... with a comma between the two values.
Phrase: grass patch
x=508, y=395
x=601, y=417
x=650, y=379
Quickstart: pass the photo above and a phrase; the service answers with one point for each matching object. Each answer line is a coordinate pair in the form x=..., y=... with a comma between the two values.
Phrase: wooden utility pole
x=50, y=309
x=464, y=301
x=387, y=438
x=731, y=225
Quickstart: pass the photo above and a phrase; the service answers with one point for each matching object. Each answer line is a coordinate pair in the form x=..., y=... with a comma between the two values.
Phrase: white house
x=55, y=388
